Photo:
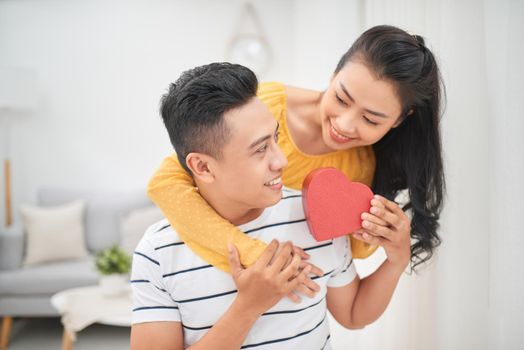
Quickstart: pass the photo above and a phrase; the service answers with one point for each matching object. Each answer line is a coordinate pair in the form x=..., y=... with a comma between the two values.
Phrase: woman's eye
x=341, y=101
x=369, y=121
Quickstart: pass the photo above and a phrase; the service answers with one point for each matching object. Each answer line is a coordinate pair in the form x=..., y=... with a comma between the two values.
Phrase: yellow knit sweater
x=207, y=233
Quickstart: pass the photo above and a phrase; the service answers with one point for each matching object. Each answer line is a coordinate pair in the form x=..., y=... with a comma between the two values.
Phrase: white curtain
x=504, y=21
x=469, y=296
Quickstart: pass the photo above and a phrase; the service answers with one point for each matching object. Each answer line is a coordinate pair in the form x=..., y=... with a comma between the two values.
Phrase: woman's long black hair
x=410, y=155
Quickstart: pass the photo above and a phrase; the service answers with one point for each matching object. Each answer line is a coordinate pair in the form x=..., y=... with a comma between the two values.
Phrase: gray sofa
x=26, y=291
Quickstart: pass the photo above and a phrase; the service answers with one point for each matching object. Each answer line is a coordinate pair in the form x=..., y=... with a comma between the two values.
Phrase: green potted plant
x=113, y=264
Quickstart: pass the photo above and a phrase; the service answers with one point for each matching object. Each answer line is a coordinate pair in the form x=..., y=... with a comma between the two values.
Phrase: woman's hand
x=388, y=226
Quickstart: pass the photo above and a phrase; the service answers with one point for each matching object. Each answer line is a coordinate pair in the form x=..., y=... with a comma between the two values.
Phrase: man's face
x=249, y=173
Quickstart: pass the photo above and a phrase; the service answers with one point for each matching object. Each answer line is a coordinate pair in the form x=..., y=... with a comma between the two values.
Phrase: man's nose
x=279, y=160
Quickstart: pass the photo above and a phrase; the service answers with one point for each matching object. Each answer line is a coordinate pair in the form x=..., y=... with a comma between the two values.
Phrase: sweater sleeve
x=200, y=227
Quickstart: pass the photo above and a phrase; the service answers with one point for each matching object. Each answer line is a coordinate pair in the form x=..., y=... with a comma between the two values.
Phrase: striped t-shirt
x=171, y=283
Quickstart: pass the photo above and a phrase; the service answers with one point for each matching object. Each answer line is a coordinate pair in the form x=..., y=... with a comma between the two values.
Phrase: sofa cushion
x=134, y=225
x=48, y=278
x=103, y=211
x=54, y=233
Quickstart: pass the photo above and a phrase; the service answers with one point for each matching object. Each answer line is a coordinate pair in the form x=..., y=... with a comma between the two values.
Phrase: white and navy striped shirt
x=171, y=283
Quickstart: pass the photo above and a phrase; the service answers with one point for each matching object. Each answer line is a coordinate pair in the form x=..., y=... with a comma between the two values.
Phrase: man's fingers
x=292, y=268
x=267, y=255
x=301, y=288
x=281, y=258
x=300, y=252
x=312, y=285
x=293, y=297
x=234, y=260
x=315, y=270
x=300, y=278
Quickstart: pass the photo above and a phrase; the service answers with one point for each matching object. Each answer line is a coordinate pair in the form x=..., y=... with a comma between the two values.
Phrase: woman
x=378, y=122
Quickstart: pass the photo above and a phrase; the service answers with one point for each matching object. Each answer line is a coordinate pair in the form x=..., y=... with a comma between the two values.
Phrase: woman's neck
x=304, y=120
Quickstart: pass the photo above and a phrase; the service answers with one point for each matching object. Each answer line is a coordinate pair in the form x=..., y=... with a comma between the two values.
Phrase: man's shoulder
x=158, y=235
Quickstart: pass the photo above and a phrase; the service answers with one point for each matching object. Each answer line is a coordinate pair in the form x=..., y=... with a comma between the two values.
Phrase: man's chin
x=270, y=200
x=276, y=198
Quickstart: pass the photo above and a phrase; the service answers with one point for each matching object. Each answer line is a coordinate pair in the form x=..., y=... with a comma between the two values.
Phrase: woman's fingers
x=373, y=218
x=383, y=213
x=390, y=205
x=377, y=230
x=373, y=240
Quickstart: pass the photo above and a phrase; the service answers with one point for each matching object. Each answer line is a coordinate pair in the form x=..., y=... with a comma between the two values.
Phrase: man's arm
x=228, y=333
x=259, y=288
x=157, y=335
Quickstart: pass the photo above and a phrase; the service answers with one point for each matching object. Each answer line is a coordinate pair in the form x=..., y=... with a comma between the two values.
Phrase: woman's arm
x=207, y=234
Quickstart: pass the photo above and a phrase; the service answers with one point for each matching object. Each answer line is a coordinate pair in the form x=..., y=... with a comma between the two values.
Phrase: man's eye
x=261, y=149
x=341, y=101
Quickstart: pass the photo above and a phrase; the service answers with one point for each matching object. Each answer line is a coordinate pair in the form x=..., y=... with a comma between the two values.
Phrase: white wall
x=102, y=67
x=505, y=62
x=462, y=279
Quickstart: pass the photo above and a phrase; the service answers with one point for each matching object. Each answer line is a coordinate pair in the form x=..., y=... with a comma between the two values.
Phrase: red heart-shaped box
x=333, y=204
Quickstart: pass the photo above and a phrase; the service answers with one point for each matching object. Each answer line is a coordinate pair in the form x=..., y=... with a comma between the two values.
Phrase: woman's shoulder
x=271, y=90
x=294, y=96
x=298, y=97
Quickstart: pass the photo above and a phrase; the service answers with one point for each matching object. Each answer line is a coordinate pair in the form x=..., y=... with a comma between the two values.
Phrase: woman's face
x=358, y=109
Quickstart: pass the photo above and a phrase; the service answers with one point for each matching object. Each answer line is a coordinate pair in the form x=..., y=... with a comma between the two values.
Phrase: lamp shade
x=18, y=90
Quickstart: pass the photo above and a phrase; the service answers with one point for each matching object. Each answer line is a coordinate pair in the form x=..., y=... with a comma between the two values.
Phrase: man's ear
x=201, y=166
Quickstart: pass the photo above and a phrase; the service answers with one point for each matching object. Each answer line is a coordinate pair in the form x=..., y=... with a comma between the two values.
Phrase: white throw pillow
x=134, y=225
x=54, y=233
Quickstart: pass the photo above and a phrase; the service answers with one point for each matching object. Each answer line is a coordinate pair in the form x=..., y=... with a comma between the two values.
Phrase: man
x=227, y=139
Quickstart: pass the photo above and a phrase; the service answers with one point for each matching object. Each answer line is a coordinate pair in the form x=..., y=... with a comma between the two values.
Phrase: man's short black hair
x=195, y=104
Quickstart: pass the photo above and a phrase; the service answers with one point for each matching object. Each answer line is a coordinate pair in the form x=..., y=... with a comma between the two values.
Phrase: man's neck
x=232, y=212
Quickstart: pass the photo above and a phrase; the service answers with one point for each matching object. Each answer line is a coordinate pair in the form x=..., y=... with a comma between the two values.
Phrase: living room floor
x=46, y=334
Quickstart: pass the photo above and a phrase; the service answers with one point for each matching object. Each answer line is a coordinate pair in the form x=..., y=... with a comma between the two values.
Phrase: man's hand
x=308, y=287
x=269, y=279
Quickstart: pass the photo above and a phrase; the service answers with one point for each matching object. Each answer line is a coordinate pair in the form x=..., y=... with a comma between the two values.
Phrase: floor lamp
x=17, y=97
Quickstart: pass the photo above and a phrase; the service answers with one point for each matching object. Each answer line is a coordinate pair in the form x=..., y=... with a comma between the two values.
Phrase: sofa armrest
x=11, y=247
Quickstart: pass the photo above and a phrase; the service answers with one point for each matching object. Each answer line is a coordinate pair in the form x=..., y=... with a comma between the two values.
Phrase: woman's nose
x=346, y=123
